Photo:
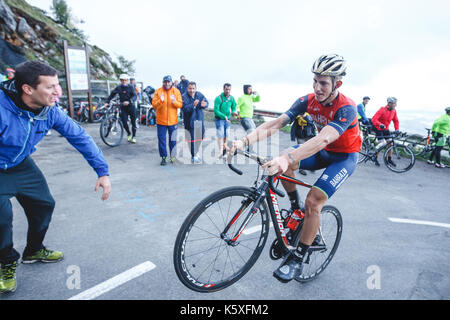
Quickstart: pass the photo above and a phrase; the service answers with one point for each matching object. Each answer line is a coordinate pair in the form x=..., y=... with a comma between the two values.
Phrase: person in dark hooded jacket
x=194, y=102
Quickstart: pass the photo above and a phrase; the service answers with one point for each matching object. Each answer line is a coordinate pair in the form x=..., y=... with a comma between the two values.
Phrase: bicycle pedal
x=276, y=251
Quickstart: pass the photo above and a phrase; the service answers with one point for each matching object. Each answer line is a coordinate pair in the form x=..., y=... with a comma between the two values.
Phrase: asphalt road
x=132, y=234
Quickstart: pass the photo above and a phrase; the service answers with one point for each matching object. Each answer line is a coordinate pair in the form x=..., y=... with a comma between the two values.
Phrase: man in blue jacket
x=194, y=103
x=26, y=115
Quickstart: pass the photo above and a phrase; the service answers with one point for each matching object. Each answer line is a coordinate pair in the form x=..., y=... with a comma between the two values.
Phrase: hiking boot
x=163, y=161
x=8, y=282
x=291, y=268
x=44, y=255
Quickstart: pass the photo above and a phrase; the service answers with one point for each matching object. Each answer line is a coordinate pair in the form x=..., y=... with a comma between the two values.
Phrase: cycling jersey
x=341, y=114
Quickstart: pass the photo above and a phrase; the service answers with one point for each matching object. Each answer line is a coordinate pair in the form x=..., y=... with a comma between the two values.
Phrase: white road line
x=112, y=283
x=428, y=223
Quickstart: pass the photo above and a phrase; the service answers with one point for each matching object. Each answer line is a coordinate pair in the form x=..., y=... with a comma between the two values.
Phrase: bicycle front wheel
x=402, y=158
x=205, y=259
x=324, y=246
x=362, y=156
x=111, y=131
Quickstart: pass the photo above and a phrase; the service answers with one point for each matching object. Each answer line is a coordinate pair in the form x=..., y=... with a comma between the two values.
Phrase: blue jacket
x=21, y=131
x=190, y=113
x=362, y=113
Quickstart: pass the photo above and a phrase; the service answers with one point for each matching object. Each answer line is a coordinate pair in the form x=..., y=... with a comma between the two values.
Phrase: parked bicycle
x=423, y=145
x=224, y=235
x=403, y=158
x=111, y=127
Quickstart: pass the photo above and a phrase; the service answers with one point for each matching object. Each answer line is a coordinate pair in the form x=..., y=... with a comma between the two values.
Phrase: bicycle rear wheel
x=324, y=247
x=403, y=158
x=203, y=258
x=111, y=131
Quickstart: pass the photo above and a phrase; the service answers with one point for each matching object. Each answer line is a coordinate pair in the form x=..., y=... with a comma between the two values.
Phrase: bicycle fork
x=259, y=196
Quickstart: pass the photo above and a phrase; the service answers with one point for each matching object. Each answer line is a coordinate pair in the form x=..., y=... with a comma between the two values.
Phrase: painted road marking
x=428, y=223
x=112, y=283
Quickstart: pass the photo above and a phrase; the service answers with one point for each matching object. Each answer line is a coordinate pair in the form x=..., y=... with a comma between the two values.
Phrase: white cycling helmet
x=391, y=100
x=124, y=76
x=332, y=65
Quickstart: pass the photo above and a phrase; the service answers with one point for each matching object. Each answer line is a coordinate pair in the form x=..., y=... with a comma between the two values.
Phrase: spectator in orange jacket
x=166, y=101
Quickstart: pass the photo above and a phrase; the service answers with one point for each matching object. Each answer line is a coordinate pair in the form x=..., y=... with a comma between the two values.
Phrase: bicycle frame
x=260, y=195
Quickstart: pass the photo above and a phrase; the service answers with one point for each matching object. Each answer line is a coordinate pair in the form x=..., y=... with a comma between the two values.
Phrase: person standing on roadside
x=245, y=108
x=27, y=113
x=224, y=108
x=127, y=98
x=194, y=102
x=381, y=121
x=362, y=111
x=166, y=101
x=440, y=131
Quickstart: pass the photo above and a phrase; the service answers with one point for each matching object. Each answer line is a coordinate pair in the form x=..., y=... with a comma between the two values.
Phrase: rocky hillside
x=27, y=33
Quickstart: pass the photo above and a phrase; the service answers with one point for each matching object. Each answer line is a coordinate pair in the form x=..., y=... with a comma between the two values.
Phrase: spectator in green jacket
x=245, y=108
x=224, y=108
x=440, y=131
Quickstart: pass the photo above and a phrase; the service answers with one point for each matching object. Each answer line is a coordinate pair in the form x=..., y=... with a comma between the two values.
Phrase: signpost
x=76, y=60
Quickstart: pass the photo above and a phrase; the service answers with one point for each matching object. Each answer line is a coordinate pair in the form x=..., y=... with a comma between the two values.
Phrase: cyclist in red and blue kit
x=334, y=149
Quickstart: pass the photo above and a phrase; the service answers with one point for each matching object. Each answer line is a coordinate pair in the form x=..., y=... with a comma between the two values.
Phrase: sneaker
x=133, y=140
x=130, y=137
x=291, y=268
x=376, y=162
x=8, y=282
x=163, y=161
x=440, y=165
x=391, y=162
x=430, y=162
x=172, y=160
x=44, y=255
x=196, y=160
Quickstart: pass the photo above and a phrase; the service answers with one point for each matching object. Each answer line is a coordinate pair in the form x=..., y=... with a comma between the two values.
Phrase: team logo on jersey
x=343, y=119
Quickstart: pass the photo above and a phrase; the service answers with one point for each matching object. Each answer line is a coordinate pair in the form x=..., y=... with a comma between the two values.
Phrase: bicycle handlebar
x=260, y=161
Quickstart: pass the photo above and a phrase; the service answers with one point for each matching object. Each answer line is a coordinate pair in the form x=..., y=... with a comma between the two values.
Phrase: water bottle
x=295, y=219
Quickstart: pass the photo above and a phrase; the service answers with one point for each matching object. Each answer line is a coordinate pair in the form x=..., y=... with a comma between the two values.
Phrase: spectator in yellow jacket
x=166, y=101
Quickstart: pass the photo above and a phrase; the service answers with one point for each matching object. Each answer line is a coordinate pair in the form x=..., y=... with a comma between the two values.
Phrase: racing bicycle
x=403, y=158
x=224, y=235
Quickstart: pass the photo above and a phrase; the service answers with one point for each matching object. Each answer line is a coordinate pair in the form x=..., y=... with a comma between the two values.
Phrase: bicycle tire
x=190, y=268
x=111, y=125
x=362, y=155
x=331, y=231
x=400, y=153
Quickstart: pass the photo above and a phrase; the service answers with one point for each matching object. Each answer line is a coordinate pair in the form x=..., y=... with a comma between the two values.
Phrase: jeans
x=248, y=124
x=162, y=136
x=222, y=127
x=27, y=183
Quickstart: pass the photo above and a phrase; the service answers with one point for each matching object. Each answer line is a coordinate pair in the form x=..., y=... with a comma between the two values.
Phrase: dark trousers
x=194, y=136
x=27, y=183
x=162, y=137
x=129, y=110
